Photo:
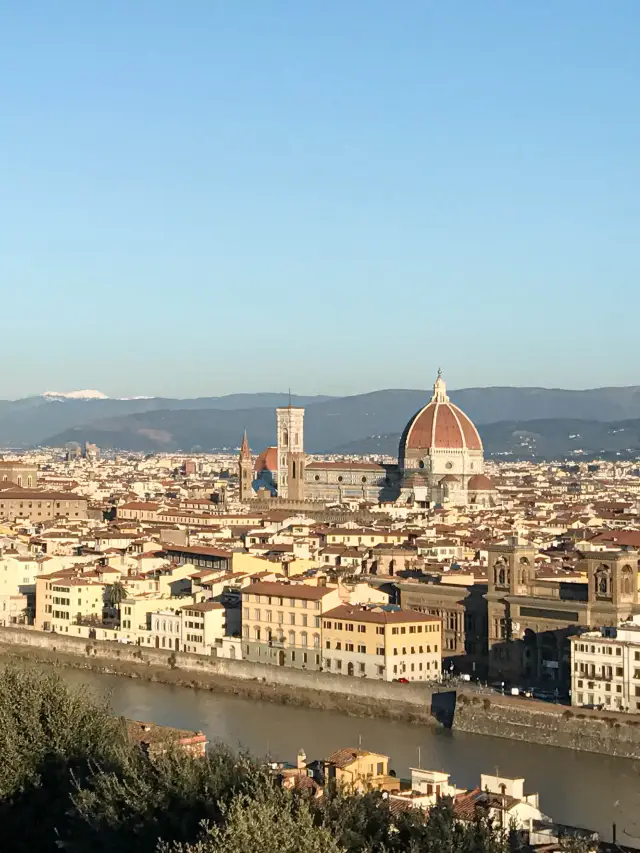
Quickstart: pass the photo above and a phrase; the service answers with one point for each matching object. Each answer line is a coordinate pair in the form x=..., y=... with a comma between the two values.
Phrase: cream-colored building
x=63, y=601
x=194, y=627
x=358, y=770
x=605, y=668
x=382, y=642
x=282, y=623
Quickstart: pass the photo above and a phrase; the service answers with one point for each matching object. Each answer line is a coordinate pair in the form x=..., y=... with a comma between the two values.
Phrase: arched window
x=292, y=638
x=316, y=641
x=245, y=632
x=603, y=580
x=293, y=472
x=285, y=438
x=502, y=577
x=256, y=633
x=627, y=580
x=303, y=638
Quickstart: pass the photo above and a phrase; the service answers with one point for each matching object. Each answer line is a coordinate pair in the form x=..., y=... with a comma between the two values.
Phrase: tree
x=275, y=821
x=130, y=807
x=50, y=739
x=114, y=594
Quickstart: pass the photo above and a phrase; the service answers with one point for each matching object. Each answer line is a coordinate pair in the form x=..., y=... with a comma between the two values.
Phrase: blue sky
x=238, y=195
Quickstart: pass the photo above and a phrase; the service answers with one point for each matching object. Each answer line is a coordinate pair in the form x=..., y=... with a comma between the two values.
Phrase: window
x=338, y=645
x=380, y=651
x=348, y=626
x=316, y=641
x=303, y=638
x=362, y=650
x=338, y=664
x=327, y=624
x=361, y=668
x=379, y=630
x=292, y=619
x=292, y=638
x=362, y=629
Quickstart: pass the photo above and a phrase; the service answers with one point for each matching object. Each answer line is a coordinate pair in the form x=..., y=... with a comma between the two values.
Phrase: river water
x=577, y=788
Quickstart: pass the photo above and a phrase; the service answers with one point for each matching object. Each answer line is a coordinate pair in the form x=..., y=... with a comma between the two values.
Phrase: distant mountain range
x=525, y=422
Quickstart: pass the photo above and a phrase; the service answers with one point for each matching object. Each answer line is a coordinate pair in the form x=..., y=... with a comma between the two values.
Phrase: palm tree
x=114, y=594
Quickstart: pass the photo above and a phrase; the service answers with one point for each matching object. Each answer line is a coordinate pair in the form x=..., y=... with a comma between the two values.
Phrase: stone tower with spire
x=245, y=470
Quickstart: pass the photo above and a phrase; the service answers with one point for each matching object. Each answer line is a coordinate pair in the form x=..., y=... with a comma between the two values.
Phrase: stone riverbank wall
x=548, y=725
x=462, y=710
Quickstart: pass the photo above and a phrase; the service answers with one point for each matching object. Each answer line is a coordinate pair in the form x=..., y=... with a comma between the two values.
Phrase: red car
x=403, y=681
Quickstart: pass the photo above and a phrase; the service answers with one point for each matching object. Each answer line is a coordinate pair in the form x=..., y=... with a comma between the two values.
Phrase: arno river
x=581, y=789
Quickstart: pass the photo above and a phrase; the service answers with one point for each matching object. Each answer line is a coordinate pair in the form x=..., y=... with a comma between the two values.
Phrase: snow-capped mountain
x=75, y=395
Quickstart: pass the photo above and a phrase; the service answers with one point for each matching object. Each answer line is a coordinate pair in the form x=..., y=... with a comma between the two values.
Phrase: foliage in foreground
x=70, y=780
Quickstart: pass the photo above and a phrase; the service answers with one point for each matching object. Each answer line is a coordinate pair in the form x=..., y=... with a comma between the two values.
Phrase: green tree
x=50, y=740
x=114, y=594
x=128, y=808
x=273, y=822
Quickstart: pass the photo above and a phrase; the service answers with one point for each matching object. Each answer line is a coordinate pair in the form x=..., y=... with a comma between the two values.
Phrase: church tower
x=291, y=457
x=245, y=470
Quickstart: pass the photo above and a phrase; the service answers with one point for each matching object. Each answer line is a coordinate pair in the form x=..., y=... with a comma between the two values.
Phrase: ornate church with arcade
x=440, y=460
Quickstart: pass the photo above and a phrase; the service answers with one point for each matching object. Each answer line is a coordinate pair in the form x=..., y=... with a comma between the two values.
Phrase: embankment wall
x=463, y=710
x=548, y=725
x=357, y=696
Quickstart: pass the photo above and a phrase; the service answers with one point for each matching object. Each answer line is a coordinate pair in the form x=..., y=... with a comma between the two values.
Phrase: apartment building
x=282, y=623
x=197, y=628
x=605, y=668
x=62, y=601
x=41, y=506
x=382, y=642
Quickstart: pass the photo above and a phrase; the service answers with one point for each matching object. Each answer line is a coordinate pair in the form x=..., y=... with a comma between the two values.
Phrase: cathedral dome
x=480, y=482
x=439, y=426
x=267, y=461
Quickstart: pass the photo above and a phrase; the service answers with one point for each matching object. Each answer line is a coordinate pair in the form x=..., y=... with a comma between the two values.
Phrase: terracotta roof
x=267, y=461
x=480, y=482
x=285, y=590
x=345, y=466
x=344, y=757
x=378, y=615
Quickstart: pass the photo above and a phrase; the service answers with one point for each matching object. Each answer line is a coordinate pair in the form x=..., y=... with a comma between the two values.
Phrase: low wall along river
x=463, y=710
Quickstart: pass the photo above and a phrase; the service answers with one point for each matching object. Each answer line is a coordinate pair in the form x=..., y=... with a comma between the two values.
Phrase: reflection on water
x=577, y=788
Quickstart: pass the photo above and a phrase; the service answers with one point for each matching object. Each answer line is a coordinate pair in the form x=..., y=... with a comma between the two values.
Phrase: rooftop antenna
x=289, y=397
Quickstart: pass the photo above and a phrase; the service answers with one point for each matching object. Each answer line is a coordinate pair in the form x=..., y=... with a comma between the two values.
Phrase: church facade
x=440, y=460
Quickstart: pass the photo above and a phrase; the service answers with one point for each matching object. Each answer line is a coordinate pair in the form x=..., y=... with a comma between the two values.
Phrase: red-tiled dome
x=480, y=482
x=267, y=461
x=440, y=425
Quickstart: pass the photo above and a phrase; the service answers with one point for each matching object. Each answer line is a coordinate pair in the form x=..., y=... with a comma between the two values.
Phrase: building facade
x=41, y=506
x=605, y=668
x=531, y=621
x=22, y=474
x=382, y=642
x=282, y=623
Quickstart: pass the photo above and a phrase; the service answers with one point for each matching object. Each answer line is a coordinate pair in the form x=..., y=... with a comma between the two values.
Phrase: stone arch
x=500, y=572
x=524, y=570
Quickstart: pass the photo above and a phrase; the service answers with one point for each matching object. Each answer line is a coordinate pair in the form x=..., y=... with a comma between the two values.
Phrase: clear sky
x=206, y=196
